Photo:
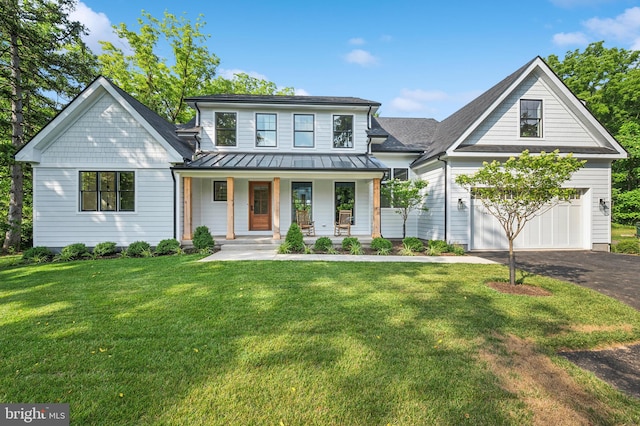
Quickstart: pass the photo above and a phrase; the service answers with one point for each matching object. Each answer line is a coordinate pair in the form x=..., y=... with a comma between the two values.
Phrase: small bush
x=323, y=244
x=169, y=246
x=437, y=247
x=137, y=249
x=202, y=239
x=382, y=246
x=107, y=248
x=74, y=252
x=413, y=244
x=37, y=254
x=284, y=248
x=456, y=249
x=295, y=239
x=356, y=249
x=348, y=242
x=627, y=246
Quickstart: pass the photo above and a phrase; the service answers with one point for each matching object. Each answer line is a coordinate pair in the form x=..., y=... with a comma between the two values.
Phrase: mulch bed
x=521, y=289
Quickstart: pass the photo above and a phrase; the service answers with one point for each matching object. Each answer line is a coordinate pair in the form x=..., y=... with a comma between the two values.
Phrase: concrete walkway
x=272, y=254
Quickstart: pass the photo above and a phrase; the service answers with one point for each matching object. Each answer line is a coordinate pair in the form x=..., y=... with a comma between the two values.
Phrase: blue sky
x=418, y=58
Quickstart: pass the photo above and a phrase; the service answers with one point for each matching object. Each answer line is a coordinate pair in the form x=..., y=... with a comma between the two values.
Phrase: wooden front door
x=259, y=206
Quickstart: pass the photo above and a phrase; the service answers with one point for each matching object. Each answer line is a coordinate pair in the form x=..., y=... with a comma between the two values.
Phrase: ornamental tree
x=521, y=188
x=405, y=196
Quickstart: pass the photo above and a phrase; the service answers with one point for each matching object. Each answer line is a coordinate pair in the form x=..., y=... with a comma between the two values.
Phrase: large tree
x=519, y=189
x=243, y=83
x=44, y=62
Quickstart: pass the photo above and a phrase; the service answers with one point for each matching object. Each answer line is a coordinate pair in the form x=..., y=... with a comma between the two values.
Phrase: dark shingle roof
x=403, y=134
x=516, y=149
x=279, y=99
x=166, y=129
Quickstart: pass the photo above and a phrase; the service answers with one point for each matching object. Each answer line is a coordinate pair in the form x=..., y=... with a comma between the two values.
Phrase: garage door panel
x=558, y=227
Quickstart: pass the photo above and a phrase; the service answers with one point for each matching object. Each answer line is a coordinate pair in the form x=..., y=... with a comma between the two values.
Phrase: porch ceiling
x=285, y=161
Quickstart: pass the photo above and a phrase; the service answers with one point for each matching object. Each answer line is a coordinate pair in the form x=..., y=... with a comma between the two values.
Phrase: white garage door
x=558, y=228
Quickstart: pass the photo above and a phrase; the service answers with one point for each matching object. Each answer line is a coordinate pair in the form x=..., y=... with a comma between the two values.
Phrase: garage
x=561, y=227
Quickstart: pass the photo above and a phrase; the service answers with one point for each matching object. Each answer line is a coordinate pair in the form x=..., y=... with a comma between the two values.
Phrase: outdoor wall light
x=460, y=204
x=603, y=203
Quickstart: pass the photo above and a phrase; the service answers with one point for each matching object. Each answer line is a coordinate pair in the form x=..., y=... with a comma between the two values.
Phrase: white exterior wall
x=594, y=178
x=560, y=124
x=431, y=222
x=246, y=130
x=105, y=138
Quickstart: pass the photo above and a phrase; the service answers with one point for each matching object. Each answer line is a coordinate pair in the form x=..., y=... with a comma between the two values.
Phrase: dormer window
x=343, y=131
x=530, y=118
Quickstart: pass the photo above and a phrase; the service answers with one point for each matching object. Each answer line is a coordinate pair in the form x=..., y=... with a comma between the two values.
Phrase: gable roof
x=402, y=134
x=161, y=129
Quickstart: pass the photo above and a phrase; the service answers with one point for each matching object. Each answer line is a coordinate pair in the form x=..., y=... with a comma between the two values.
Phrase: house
x=109, y=169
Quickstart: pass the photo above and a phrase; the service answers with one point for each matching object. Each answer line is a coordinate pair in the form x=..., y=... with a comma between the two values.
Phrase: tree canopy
x=521, y=188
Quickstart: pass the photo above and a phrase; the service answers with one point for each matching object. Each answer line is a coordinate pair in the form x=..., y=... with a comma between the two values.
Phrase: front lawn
x=172, y=341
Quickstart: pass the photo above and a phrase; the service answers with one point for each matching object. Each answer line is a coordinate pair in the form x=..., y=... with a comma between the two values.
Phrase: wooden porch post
x=231, y=235
x=276, y=208
x=187, y=212
x=376, y=231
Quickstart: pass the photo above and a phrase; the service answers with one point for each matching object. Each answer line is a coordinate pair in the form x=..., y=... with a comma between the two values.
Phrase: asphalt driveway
x=613, y=274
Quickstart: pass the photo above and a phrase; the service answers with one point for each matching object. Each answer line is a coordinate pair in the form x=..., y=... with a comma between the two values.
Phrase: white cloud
x=428, y=103
x=357, y=41
x=361, y=57
x=99, y=27
x=416, y=100
x=568, y=39
x=624, y=27
x=301, y=92
x=230, y=73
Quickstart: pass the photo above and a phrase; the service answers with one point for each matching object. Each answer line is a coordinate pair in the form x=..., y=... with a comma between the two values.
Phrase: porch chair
x=305, y=223
x=344, y=222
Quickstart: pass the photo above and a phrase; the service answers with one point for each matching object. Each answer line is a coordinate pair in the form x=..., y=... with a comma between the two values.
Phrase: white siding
x=431, y=222
x=246, y=128
x=561, y=126
x=58, y=220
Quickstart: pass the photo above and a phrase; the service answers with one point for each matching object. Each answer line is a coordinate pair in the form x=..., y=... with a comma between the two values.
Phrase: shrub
x=437, y=247
x=295, y=239
x=627, y=246
x=323, y=244
x=414, y=244
x=37, y=254
x=74, y=252
x=202, y=239
x=284, y=248
x=169, y=246
x=382, y=246
x=107, y=248
x=356, y=249
x=348, y=242
x=137, y=249
x=456, y=249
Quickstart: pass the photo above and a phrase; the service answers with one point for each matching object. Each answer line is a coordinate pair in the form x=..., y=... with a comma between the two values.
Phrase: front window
x=301, y=193
x=345, y=199
x=343, y=131
x=107, y=191
x=530, y=118
x=220, y=190
x=400, y=174
x=226, y=123
x=303, y=130
x=266, y=133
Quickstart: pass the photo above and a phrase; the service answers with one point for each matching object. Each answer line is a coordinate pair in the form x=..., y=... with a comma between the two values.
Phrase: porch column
x=376, y=231
x=276, y=208
x=231, y=235
x=187, y=209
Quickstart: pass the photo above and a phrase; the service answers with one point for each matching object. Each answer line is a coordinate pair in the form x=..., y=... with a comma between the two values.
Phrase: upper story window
x=530, y=118
x=107, y=191
x=226, y=124
x=303, y=128
x=343, y=131
x=266, y=133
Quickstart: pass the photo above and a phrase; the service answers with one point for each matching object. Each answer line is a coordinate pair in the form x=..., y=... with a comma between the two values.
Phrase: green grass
x=622, y=232
x=172, y=341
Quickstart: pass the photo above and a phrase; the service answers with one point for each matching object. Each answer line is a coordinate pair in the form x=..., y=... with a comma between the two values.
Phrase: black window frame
x=264, y=131
x=531, y=126
x=308, y=202
x=297, y=131
x=342, y=137
x=385, y=203
x=219, y=190
x=227, y=134
x=107, y=196
x=336, y=199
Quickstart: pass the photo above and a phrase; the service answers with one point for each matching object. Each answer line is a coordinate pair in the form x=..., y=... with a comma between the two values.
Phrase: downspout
x=175, y=201
x=198, y=120
x=369, y=128
x=446, y=199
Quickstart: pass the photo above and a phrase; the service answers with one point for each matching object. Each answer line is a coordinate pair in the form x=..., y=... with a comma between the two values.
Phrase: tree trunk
x=16, y=194
x=512, y=264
